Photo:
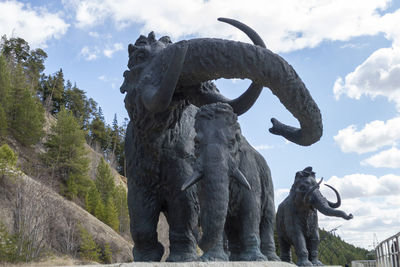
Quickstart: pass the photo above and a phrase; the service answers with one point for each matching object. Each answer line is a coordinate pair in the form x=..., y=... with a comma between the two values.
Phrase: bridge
x=387, y=252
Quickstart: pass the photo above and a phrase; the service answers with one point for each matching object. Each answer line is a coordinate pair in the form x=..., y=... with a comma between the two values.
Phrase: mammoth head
x=217, y=141
x=307, y=196
x=158, y=68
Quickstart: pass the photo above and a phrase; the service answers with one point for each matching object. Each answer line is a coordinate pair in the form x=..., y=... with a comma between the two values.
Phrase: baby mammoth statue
x=297, y=219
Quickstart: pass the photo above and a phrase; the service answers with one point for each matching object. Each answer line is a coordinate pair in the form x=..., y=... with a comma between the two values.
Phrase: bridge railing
x=387, y=252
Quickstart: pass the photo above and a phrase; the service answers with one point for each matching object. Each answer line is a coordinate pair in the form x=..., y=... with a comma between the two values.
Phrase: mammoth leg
x=312, y=247
x=248, y=224
x=232, y=229
x=182, y=211
x=144, y=210
x=285, y=250
x=300, y=246
x=267, y=221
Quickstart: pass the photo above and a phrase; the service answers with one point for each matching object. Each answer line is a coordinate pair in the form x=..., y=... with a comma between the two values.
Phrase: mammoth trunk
x=214, y=198
x=209, y=59
x=322, y=205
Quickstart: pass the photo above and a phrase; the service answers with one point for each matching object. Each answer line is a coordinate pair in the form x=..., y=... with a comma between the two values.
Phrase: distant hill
x=333, y=250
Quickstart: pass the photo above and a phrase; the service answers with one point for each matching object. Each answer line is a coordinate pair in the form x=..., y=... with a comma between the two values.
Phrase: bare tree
x=32, y=219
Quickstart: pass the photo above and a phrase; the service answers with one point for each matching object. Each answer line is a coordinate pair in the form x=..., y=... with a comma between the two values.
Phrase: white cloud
x=263, y=147
x=94, y=34
x=364, y=185
x=373, y=136
x=102, y=78
x=110, y=51
x=286, y=26
x=379, y=75
x=89, y=53
x=36, y=26
x=388, y=158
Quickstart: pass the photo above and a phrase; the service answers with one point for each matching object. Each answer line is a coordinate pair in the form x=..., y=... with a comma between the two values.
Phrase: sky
x=346, y=52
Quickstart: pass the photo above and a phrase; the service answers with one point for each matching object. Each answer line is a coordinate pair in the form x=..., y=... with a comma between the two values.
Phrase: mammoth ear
x=239, y=176
x=197, y=176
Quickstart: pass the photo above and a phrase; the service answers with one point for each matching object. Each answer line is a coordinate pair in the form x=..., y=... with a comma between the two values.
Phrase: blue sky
x=346, y=52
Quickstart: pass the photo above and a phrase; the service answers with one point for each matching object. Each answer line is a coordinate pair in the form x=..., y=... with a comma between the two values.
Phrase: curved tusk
x=338, y=202
x=245, y=101
x=197, y=176
x=157, y=99
x=239, y=176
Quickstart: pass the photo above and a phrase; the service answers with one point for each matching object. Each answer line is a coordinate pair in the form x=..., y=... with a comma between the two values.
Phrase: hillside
x=54, y=220
x=332, y=250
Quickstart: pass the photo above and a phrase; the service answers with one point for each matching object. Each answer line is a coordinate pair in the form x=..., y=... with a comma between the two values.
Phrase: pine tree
x=5, y=83
x=92, y=198
x=99, y=132
x=52, y=92
x=111, y=214
x=106, y=254
x=99, y=210
x=88, y=247
x=121, y=202
x=104, y=180
x=67, y=155
x=8, y=159
x=25, y=114
x=3, y=123
x=76, y=101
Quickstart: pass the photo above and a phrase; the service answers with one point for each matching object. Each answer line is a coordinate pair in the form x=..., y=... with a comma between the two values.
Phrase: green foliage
x=334, y=251
x=17, y=52
x=3, y=123
x=88, y=248
x=99, y=211
x=25, y=115
x=111, y=214
x=92, y=199
x=106, y=254
x=5, y=83
x=99, y=133
x=51, y=92
x=103, y=199
x=104, y=180
x=67, y=155
x=8, y=159
x=121, y=202
x=8, y=247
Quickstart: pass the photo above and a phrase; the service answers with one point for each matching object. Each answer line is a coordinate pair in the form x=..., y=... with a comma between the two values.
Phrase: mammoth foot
x=272, y=256
x=214, y=255
x=316, y=262
x=182, y=257
x=304, y=262
x=153, y=254
x=253, y=255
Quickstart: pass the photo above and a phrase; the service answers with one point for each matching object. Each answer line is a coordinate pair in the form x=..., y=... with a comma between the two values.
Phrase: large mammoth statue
x=165, y=84
x=235, y=191
x=297, y=219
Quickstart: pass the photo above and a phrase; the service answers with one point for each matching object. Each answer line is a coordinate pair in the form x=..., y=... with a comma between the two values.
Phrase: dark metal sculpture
x=164, y=85
x=235, y=189
x=297, y=219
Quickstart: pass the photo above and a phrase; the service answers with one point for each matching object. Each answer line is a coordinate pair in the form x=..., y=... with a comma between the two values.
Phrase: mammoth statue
x=165, y=84
x=297, y=220
x=235, y=190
